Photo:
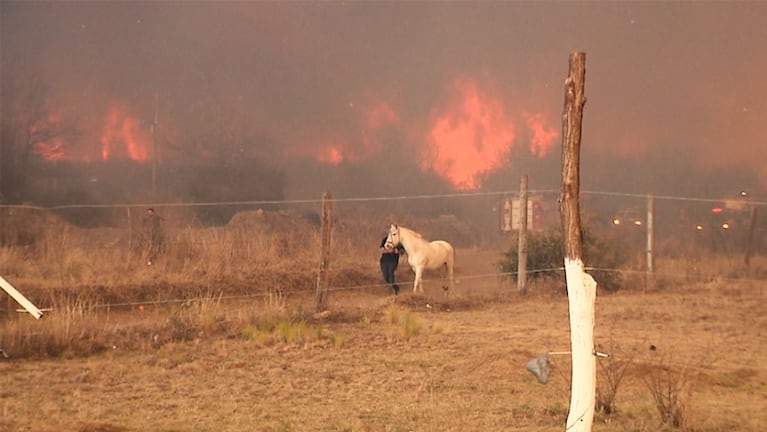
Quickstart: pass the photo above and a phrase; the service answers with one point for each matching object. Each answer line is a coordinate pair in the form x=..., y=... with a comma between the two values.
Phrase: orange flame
x=338, y=146
x=52, y=148
x=470, y=138
x=330, y=155
x=542, y=138
x=123, y=136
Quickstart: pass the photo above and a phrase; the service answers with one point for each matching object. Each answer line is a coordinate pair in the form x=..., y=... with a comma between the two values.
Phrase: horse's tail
x=451, y=266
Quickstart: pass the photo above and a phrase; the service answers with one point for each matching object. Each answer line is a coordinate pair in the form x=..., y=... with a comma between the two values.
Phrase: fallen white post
x=32, y=309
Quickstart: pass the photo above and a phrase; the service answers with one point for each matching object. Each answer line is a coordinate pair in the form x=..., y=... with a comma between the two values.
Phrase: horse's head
x=392, y=239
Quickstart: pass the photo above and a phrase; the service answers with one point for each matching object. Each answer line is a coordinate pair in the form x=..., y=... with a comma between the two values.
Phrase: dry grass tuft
x=671, y=388
x=403, y=323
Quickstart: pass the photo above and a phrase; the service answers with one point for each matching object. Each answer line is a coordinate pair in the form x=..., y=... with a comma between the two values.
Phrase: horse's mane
x=413, y=232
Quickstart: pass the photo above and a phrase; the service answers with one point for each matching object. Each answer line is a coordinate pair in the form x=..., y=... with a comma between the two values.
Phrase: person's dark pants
x=388, y=266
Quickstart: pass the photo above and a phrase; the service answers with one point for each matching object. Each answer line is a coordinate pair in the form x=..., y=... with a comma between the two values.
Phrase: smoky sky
x=666, y=82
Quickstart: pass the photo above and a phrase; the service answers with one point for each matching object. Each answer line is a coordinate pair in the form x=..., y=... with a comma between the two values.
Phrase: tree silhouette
x=28, y=124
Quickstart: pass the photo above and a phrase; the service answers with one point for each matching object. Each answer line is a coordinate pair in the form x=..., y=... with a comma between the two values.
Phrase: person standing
x=153, y=235
x=389, y=261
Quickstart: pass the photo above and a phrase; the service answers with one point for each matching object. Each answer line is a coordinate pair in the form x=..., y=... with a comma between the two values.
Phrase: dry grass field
x=375, y=362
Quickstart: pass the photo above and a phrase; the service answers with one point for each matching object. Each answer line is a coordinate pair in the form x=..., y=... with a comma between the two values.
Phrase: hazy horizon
x=469, y=92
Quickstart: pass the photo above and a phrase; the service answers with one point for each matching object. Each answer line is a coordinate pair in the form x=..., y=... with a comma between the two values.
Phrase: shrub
x=610, y=375
x=545, y=259
x=671, y=389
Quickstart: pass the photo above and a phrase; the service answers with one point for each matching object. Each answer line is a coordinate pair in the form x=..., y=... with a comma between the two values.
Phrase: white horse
x=422, y=254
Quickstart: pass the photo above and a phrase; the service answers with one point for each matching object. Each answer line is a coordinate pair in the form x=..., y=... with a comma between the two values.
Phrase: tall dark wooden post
x=581, y=288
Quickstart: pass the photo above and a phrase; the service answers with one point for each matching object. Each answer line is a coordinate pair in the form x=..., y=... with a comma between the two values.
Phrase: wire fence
x=78, y=244
x=720, y=225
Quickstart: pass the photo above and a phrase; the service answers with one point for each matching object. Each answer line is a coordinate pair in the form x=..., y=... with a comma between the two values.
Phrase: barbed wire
x=283, y=295
x=678, y=198
x=386, y=198
x=362, y=287
x=374, y=199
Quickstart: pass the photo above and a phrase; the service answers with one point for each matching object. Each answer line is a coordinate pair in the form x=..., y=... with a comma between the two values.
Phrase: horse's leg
x=450, y=266
x=444, y=272
x=417, y=279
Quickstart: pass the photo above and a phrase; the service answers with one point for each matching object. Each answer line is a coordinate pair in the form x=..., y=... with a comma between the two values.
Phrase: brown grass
x=233, y=344
x=246, y=366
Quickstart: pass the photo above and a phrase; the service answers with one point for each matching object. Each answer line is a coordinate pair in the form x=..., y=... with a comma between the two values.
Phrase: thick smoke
x=380, y=98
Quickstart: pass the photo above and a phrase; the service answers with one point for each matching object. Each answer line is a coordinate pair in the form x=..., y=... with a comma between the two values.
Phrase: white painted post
x=582, y=293
x=32, y=309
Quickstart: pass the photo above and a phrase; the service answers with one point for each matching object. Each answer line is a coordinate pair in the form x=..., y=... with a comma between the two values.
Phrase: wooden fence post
x=581, y=287
x=750, y=237
x=522, y=248
x=325, y=238
x=130, y=236
x=649, y=276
